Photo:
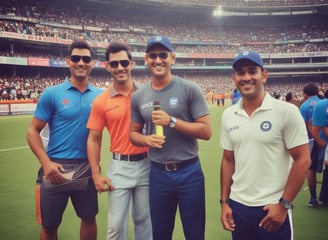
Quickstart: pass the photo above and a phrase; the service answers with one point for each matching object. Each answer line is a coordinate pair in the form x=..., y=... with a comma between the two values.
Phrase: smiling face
x=159, y=61
x=249, y=78
x=80, y=70
x=120, y=66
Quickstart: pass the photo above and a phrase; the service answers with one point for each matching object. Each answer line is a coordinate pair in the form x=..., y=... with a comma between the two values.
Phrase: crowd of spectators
x=204, y=38
x=31, y=19
x=28, y=87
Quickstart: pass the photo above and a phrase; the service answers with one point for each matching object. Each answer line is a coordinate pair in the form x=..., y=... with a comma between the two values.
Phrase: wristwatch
x=287, y=204
x=226, y=201
x=173, y=121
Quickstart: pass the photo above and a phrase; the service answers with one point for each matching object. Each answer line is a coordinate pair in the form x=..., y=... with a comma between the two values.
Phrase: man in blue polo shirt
x=310, y=94
x=65, y=172
x=320, y=135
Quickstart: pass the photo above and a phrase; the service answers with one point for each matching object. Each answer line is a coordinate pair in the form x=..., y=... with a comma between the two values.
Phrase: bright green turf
x=17, y=181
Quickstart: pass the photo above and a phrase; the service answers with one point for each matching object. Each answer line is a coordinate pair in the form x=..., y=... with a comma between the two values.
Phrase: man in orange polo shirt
x=128, y=174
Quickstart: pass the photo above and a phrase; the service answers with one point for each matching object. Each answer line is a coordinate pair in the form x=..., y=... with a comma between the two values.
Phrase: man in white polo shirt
x=265, y=158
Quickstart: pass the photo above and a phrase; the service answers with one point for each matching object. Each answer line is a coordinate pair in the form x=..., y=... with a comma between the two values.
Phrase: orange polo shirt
x=112, y=110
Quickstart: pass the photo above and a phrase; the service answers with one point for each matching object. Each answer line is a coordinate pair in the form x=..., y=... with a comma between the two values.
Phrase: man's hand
x=52, y=171
x=102, y=184
x=154, y=141
x=276, y=215
x=227, y=218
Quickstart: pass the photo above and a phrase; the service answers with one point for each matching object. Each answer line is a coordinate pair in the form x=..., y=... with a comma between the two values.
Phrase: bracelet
x=224, y=201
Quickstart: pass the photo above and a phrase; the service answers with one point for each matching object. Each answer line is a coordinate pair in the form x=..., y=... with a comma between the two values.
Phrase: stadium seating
x=295, y=52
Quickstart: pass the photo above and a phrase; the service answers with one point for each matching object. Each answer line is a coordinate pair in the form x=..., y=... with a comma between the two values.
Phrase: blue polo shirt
x=320, y=116
x=307, y=109
x=66, y=110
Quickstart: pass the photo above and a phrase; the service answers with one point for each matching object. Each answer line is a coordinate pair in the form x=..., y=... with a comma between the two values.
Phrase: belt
x=173, y=165
x=129, y=157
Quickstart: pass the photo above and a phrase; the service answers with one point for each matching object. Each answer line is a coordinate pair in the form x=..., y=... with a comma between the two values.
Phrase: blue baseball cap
x=248, y=55
x=162, y=40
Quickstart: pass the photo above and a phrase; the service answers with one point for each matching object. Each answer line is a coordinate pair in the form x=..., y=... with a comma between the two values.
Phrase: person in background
x=291, y=98
x=320, y=135
x=265, y=157
x=236, y=96
x=168, y=115
x=310, y=95
x=128, y=174
x=65, y=172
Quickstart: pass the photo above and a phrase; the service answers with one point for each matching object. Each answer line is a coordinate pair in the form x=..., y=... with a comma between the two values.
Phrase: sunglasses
x=124, y=63
x=161, y=55
x=77, y=58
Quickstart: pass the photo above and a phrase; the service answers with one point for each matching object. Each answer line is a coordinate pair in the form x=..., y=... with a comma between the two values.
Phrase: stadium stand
x=34, y=37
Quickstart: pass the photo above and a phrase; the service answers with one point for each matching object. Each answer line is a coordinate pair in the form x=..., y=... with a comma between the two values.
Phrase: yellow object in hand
x=159, y=130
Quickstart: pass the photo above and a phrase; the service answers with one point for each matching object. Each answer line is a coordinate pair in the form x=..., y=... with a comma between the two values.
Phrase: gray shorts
x=78, y=186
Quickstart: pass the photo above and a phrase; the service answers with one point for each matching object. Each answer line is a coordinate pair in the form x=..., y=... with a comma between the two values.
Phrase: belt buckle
x=117, y=156
x=171, y=166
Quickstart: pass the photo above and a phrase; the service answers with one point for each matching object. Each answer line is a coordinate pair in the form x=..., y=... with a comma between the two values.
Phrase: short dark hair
x=311, y=89
x=81, y=44
x=115, y=47
x=289, y=96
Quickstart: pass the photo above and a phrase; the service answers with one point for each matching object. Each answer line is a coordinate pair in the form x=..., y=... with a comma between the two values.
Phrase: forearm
x=296, y=178
x=227, y=170
x=137, y=139
x=93, y=150
x=197, y=130
x=316, y=135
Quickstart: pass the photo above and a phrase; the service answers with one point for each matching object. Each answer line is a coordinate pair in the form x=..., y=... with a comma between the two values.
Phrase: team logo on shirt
x=266, y=126
x=173, y=102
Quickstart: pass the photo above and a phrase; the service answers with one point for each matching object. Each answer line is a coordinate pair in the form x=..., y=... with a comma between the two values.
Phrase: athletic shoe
x=313, y=203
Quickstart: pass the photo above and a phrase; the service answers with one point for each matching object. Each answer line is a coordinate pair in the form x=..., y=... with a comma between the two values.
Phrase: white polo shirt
x=260, y=143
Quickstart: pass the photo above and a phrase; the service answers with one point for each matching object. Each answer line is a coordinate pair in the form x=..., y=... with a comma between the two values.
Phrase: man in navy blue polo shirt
x=65, y=172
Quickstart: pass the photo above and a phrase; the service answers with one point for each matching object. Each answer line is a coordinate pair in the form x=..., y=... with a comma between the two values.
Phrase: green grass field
x=17, y=182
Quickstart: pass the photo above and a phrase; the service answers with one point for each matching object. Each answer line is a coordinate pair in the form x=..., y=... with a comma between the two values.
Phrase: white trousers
x=131, y=182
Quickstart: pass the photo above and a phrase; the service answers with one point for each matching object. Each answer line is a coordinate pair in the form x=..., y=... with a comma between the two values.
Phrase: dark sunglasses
x=77, y=58
x=124, y=63
x=161, y=55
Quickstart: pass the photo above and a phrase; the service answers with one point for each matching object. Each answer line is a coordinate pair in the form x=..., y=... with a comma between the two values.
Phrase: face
x=119, y=66
x=249, y=79
x=80, y=64
x=159, y=61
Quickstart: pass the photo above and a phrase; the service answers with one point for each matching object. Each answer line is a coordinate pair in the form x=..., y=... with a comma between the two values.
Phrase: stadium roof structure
x=196, y=11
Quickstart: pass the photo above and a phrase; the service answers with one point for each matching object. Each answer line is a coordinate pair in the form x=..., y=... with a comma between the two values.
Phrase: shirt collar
x=113, y=92
x=69, y=85
x=267, y=104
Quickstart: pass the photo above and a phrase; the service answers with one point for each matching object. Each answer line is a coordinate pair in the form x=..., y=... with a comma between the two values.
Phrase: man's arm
x=34, y=140
x=200, y=128
x=227, y=170
x=276, y=212
x=316, y=136
x=50, y=168
x=94, y=141
x=298, y=172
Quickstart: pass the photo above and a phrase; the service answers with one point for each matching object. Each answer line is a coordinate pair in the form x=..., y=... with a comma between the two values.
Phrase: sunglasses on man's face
x=77, y=58
x=124, y=63
x=161, y=55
